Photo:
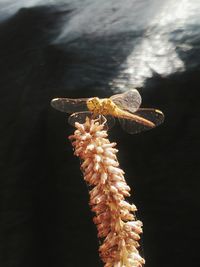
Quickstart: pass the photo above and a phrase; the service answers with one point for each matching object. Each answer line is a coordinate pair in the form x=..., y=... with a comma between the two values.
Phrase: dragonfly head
x=93, y=104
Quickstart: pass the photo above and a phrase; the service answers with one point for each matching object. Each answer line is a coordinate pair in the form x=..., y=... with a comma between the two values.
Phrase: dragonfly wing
x=130, y=100
x=81, y=118
x=69, y=105
x=133, y=127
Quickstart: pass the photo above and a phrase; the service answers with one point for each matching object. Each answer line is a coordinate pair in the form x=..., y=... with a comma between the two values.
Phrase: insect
x=124, y=106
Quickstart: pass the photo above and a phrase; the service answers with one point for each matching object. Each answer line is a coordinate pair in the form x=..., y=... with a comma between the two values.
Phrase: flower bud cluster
x=114, y=217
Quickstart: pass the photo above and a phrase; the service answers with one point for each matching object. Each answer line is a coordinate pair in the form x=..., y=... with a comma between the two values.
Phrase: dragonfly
x=124, y=106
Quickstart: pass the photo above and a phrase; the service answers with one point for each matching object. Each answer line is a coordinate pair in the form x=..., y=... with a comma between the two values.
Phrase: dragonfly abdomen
x=119, y=113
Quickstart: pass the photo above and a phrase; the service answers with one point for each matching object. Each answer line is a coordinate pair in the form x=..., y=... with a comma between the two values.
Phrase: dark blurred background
x=97, y=48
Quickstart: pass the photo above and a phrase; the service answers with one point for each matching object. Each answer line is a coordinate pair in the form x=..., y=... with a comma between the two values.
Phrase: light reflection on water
x=160, y=25
x=155, y=50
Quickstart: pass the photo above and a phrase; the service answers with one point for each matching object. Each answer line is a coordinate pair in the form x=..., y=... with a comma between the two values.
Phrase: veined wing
x=69, y=105
x=81, y=118
x=153, y=115
x=129, y=101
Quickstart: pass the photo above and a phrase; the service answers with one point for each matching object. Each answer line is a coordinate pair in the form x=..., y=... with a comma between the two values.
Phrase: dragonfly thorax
x=103, y=106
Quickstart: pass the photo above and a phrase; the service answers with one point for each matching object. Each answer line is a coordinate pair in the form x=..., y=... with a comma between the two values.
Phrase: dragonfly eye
x=93, y=104
x=95, y=101
x=90, y=104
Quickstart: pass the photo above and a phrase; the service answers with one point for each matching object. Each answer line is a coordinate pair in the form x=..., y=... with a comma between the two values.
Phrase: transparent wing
x=130, y=100
x=133, y=127
x=69, y=105
x=81, y=118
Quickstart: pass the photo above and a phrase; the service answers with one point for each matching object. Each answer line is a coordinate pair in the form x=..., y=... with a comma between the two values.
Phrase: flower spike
x=116, y=223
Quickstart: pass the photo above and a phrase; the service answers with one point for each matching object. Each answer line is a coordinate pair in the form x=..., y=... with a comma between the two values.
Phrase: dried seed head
x=114, y=218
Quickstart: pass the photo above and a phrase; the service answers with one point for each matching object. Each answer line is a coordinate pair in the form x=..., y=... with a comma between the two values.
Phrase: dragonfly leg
x=99, y=118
